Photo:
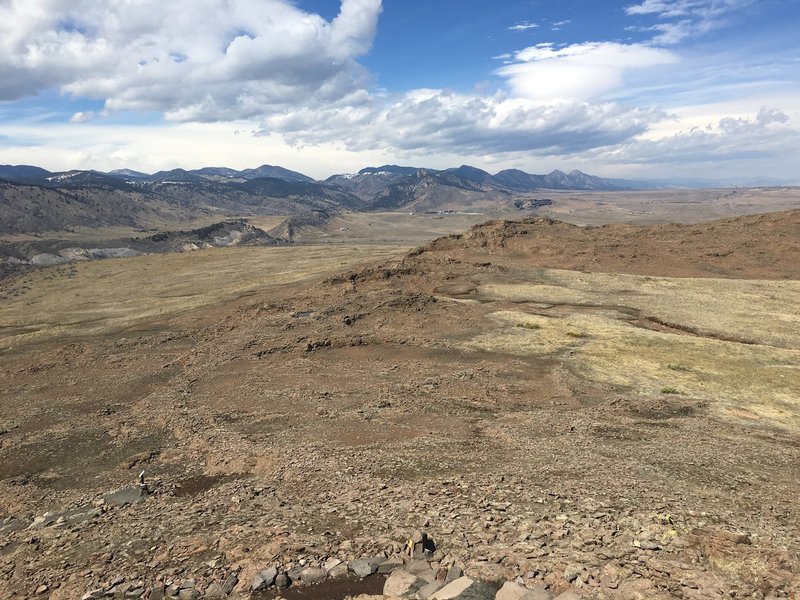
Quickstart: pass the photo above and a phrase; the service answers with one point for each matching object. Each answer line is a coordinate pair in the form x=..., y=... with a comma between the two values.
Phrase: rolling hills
x=561, y=404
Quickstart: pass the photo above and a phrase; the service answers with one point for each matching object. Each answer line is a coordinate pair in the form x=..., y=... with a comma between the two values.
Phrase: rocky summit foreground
x=590, y=423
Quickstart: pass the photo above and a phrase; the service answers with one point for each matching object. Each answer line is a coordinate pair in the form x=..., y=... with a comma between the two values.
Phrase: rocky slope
x=312, y=429
x=765, y=246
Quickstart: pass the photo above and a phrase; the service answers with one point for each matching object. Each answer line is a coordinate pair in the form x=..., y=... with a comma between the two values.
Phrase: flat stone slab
x=465, y=588
x=125, y=496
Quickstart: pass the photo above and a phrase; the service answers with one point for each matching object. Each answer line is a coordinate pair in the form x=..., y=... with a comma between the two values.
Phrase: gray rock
x=43, y=521
x=363, y=568
x=429, y=589
x=231, y=582
x=390, y=565
x=421, y=568
x=282, y=581
x=11, y=524
x=313, y=575
x=402, y=584
x=331, y=564
x=120, y=589
x=338, y=571
x=188, y=594
x=157, y=593
x=453, y=573
x=93, y=594
x=81, y=515
x=264, y=579
x=215, y=590
x=135, y=593
x=512, y=591
x=572, y=572
x=125, y=496
x=465, y=588
x=538, y=593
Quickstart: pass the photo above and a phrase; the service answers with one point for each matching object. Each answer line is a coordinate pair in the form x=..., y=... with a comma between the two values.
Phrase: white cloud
x=430, y=121
x=192, y=60
x=83, y=117
x=545, y=73
x=767, y=135
x=694, y=17
x=525, y=25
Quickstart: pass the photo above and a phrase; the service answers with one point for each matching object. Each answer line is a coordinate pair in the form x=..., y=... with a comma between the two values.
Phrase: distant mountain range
x=33, y=199
x=370, y=177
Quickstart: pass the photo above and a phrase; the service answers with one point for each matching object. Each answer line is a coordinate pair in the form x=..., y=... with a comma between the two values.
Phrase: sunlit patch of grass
x=760, y=378
x=105, y=296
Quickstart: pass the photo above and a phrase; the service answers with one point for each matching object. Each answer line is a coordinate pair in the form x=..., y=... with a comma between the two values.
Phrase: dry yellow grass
x=596, y=321
x=107, y=296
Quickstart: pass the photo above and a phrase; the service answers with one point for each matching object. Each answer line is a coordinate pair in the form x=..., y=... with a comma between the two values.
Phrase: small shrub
x=678, y=367
x=529, y=325
x=577, y=334
x=669, y=390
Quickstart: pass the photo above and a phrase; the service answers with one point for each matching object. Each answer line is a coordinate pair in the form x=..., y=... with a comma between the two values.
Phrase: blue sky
x=638, y=88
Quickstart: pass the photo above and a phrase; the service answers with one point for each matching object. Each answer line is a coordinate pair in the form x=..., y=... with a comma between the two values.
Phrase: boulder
x=331, y=564
x=215, y=590
x=338, y=571
x=264, y=579
x=429, y=589
x=465, y=588
x=537, y=593
x=402, y=584
x=312, y=575
x=363, y=568
x=390, y=565
x=515, y=591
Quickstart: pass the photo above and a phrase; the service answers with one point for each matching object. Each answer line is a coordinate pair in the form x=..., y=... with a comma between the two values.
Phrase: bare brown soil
x=333, y=415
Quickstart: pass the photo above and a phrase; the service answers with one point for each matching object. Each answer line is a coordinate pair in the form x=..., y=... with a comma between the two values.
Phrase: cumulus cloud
x=192, y=60
x=766, y=135
x=547, y=73
x=444, y=121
